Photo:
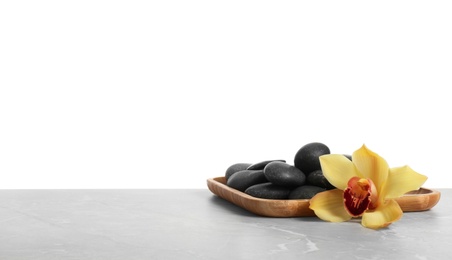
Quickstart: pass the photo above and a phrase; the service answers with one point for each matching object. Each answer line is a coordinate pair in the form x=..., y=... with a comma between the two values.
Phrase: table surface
x=195, y=224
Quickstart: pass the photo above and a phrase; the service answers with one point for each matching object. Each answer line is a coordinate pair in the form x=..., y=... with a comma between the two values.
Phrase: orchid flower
x=366, y=187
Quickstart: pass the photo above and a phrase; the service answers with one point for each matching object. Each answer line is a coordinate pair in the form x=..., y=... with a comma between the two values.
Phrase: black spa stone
x=261, y=165
x=307, y=157
x=305, y=192
x=317, y=178
x=241, y=180
x=283, y=174
x=268, y=190
x=235, y=168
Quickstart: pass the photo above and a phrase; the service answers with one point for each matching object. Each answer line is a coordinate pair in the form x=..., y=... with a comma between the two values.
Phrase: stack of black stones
x=276, y=179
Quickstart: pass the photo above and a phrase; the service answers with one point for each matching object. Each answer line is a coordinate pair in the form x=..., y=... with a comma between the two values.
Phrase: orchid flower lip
x=359, y=196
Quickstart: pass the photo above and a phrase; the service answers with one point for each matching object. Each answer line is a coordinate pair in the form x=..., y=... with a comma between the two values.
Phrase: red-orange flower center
x=359, y=196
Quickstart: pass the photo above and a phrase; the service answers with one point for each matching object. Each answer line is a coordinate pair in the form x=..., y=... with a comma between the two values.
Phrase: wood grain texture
x=419, y=200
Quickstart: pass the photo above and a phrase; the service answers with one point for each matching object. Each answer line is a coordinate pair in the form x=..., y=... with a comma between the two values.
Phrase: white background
x=165, y=94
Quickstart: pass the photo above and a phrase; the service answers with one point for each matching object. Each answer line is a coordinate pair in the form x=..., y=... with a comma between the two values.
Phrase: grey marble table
x=195, y=224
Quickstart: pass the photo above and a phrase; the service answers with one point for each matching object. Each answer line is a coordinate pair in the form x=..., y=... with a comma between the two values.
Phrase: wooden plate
x=419, y=200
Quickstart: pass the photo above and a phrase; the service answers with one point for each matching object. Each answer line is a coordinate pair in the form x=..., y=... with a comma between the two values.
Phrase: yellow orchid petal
x=383, y=215
x=329, y=206
x=371, y=166
x=400, y=181
x=338, y=170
